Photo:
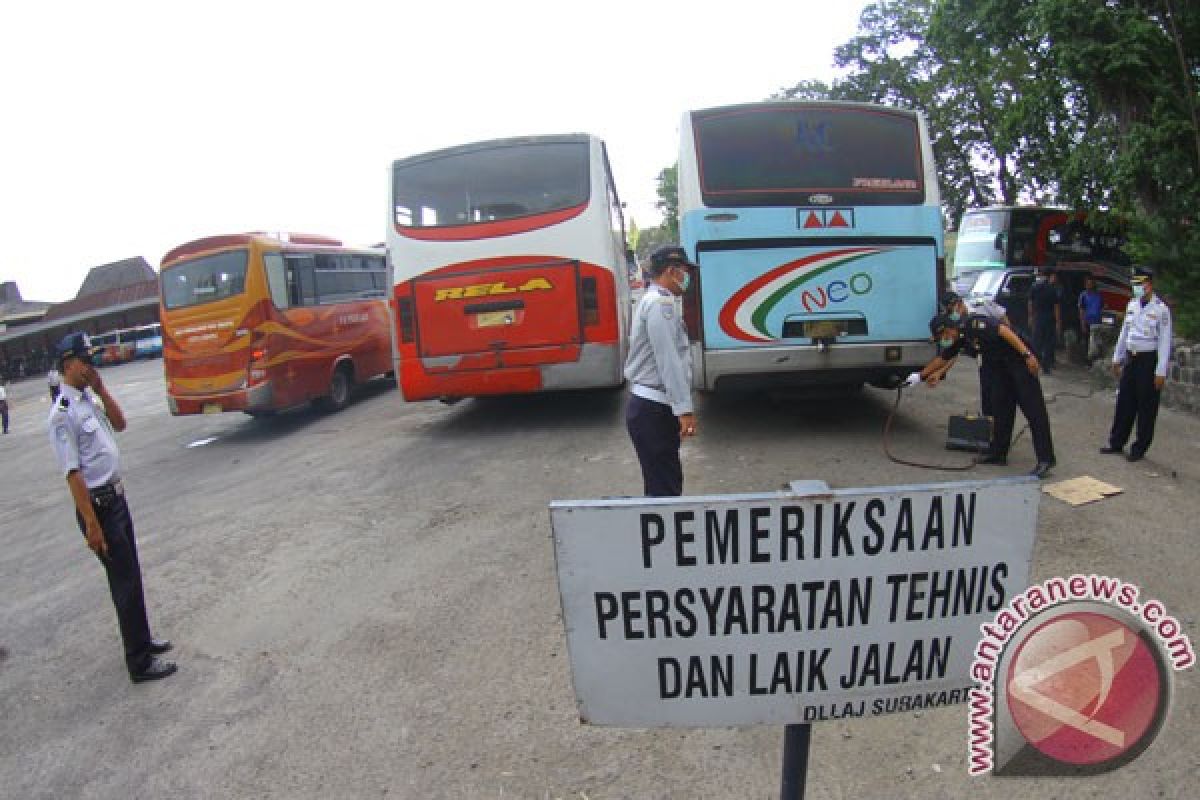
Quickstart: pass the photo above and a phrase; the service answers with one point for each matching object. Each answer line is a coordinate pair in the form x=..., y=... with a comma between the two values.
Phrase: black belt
x=107, y=494
x=1143, y=353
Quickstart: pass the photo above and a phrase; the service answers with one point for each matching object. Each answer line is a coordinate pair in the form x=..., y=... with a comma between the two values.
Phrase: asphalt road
x=364, y=604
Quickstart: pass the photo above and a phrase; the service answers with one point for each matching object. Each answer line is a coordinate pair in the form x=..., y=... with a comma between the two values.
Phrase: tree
x=1132, y=68
x=1087, y=103
x=668, y=200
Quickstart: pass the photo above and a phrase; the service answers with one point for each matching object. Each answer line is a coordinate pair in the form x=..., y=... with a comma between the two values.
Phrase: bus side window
x=302, y=287
x=277, y=280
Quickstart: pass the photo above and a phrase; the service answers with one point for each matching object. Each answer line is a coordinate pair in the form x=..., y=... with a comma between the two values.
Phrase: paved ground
x=365, y=605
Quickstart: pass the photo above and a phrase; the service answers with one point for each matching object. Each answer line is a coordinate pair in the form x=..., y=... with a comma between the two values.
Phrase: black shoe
x=155, y=669
x=160, y=646
x=1108, y=450
x=1132, y=456
x=1042, y=469
x=993, y=460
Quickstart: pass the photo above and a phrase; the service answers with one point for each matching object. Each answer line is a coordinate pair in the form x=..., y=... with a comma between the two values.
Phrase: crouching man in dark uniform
x=81, y=431
x=1012, y=378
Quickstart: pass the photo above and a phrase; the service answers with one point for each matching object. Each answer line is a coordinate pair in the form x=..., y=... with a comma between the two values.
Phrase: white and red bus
x=509, y=268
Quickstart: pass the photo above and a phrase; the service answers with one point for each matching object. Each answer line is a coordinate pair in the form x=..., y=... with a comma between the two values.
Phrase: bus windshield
x=204, y=279
x=981, y=240
x=491, y=184
x=778, y=156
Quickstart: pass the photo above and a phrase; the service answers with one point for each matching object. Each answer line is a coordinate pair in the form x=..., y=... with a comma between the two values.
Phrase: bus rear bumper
x=251, y=399
x=810, y=365
x=598, y=366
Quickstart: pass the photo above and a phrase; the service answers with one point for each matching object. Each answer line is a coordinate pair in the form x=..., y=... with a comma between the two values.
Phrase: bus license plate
x=823, y=330
x=212, y=408
x=490, y=319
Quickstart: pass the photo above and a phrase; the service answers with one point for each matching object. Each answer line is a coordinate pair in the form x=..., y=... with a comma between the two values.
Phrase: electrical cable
x=887, y=434
x=887, y=444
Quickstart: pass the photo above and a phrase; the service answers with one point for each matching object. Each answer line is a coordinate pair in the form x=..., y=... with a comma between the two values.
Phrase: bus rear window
x=490, y=185
x=781, y=156
x=203, y=280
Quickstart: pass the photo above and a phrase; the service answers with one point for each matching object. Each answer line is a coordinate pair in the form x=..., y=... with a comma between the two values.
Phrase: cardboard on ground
x=1084, y=489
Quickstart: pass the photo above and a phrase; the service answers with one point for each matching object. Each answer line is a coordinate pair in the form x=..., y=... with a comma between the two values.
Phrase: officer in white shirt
x=660, y=411
x=81, y=432
x=1140, y=360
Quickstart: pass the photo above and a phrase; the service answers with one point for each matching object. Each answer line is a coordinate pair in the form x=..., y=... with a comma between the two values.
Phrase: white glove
x=911, y=380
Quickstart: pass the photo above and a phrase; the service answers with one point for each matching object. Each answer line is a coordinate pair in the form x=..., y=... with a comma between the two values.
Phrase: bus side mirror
x=1001, y=241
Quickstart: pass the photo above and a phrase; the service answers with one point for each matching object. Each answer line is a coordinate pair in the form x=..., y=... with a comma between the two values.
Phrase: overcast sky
x=130, y=127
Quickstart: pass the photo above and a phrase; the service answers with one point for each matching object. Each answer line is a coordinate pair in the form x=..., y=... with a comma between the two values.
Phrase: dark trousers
x=654, y=430
x=1136, y=399
x=124, y=580
x=985, y=389
x=1045, y=339
x=4, y=414
x=1013, y=386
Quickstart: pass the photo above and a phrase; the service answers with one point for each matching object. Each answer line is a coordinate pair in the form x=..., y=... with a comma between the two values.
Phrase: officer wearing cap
x=660, y=411
x=81, y=431
x=1140, y=360
x=1012, y=381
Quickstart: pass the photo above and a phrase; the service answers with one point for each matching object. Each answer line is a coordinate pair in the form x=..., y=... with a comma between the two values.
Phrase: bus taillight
x=591, y=302
x=691, y=308
x=405, y=321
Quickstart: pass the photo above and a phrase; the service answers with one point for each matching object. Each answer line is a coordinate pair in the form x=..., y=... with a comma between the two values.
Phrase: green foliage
x=1089, y=104
x=668, y=200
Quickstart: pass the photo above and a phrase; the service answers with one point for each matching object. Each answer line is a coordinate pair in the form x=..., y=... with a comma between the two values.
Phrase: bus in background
x=818, y=233
x=257, y=323
x=146, y=340
x=510, y=269
x=112, y=348
x=1019, y=239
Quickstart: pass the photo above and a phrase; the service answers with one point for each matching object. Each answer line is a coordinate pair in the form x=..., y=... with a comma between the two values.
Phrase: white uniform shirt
x=3, y=394
x=1146, y=328
x=82, y=437
x=658, y=365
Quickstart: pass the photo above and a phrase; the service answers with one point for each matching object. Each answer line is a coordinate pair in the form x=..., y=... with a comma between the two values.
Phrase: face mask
x=686, y=282
x=1139, y=291
x=955, y=316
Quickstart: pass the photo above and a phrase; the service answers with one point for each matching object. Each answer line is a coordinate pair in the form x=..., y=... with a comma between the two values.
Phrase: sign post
x=785, y=608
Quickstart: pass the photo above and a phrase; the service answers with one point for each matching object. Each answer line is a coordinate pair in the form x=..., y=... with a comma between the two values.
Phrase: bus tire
x=340, y=385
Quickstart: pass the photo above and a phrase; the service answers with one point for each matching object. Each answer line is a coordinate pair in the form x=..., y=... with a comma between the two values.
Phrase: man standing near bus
x=81, y=432
x=1091, y=308
x=660, y=412
x=1045, y=315
x=1140, y=360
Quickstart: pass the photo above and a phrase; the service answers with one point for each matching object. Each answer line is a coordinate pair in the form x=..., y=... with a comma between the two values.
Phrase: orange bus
x=257, y=323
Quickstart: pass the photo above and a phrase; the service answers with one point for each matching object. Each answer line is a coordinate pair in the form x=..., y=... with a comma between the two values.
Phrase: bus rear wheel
x=340, y=385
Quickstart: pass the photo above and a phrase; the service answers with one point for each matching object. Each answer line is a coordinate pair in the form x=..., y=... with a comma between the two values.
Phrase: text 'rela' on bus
x=1023, y=238
x=258, y=323
x=510, y=269
x=818, y=234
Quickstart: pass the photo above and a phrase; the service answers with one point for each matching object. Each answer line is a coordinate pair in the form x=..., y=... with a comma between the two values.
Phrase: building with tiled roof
x=123, y=294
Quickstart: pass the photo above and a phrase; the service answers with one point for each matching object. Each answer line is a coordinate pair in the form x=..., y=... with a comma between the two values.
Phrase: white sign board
x=785, y=607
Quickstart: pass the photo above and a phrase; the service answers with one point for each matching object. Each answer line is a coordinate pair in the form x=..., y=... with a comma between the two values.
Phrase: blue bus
x=817, y=230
